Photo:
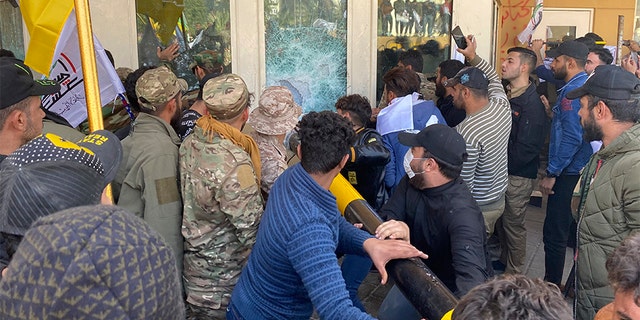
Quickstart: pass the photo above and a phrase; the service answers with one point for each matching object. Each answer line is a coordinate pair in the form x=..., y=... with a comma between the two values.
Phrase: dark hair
x=412, y=58
x=130, y=86
x=624, y=267
x=110, y=57
x=325, y=138
x=621, y=110
x=7, y=53
x=401, y=81
x=448, y=171
x=527, y=56
x=449, y=68
x=589, y=42
x=593, y=36
x=358, y=108
x=604, y=54
x=513, y=297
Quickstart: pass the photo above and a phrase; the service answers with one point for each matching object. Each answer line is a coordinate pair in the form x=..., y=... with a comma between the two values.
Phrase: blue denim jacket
x=568, y=152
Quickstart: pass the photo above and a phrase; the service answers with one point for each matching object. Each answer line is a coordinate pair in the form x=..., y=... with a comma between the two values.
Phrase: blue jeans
x=354, y=269
x=557, y=226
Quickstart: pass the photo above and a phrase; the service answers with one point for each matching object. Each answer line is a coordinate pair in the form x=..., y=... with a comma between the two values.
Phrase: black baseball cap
x=471, y=77
x=17, y=84
x=50, y=173
x=574, y=49
x=609, y=82
x=442, y=141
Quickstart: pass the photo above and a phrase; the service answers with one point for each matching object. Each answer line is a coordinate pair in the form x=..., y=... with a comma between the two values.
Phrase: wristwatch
x=551, y=175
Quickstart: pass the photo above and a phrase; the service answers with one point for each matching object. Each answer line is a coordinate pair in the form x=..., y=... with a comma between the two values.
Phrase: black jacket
x=445, y=223
x=526, y=139
x=365, y=168
x=452, y=115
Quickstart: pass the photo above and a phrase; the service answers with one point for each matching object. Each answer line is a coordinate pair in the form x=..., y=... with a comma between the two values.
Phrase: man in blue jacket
x=405, y=112
x=568, y=154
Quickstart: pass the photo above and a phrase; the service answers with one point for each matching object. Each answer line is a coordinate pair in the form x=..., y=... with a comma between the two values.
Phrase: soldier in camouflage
x=222, y=200
x=275, y=115
x=206, y=65
x=147, y=181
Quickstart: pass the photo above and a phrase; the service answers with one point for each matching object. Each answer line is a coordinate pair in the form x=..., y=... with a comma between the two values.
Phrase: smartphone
x=459, y=38
x=634, y=56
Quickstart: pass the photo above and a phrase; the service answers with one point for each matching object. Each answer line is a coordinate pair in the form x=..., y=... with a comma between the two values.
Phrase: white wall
x=114, y=23
x=476, y=17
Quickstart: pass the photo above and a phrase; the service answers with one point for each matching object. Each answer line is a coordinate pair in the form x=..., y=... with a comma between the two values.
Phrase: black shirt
x=445, y=223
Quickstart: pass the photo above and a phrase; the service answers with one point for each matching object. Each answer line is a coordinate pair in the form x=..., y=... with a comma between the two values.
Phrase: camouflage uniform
x=273, y=158
x=208, y=59
x=276, y=114
x=222, y=205
x=222, y=209
x=427, y=89
x=147, y=182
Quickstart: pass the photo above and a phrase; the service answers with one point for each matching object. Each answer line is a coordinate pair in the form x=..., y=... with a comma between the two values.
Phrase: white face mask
x=408, y=157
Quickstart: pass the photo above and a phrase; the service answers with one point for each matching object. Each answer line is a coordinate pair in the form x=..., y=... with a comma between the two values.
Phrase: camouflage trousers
x=204, y=313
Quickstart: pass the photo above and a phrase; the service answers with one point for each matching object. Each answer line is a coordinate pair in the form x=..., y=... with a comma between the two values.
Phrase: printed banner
x=70, y=102
x=536, y=18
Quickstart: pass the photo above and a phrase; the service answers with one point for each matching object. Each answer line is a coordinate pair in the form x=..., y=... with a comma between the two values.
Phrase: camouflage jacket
x=427, y=89
x=273, y=158
x=222, y=210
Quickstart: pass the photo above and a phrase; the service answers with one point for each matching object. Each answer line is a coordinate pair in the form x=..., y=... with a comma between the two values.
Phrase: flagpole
x=89, y=70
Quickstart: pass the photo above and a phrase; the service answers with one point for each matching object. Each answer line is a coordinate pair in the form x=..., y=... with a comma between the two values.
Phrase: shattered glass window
x=306, y=50
x=196, y=25
x=11, y=28
x=423, y=25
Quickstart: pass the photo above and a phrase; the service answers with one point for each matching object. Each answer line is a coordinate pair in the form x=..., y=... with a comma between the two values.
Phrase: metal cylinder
x=416, y=281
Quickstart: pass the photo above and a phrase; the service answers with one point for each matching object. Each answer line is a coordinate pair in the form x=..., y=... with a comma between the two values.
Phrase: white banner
x=70, y=102
x=536, y=18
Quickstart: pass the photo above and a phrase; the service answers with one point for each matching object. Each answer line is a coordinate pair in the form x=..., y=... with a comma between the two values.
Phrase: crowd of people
x=210, y=218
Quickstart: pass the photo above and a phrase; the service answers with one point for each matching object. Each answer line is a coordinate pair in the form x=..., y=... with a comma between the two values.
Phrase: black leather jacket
x=365, y=168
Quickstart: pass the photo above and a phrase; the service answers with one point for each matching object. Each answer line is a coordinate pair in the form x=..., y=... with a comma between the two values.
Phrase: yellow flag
x=44, y=21
x=165, y=12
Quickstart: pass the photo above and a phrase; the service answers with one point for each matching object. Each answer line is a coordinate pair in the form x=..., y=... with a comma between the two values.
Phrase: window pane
x=196, y=25
x=306, y=50
x=423, y=25
x=11, y=29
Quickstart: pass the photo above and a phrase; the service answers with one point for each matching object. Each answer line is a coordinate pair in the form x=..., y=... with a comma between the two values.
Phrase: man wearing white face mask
x=434, y=210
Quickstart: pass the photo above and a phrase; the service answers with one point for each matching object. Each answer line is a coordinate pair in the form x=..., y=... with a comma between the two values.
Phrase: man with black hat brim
x=49, y=174
x=610, y=196
x=568, y=153
x=434, y=210
x=20, y=113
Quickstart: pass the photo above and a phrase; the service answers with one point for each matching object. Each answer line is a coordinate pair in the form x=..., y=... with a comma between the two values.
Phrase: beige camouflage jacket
x=222, y=210
x=273, y=157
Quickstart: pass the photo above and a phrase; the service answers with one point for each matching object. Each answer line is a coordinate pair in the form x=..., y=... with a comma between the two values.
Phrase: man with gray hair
x=609, y=207
x=222, y=199
x=147, y=182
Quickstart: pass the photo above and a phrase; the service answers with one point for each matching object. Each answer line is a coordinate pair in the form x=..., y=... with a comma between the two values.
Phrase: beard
x=591, y=131
x=561, y=73
x=417, y=181
x=175, y=122
x=441, y=92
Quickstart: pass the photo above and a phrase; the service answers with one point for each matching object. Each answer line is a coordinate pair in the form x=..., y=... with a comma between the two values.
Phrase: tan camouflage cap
x=207, y=59
x=123, y=72
x=157, y=86
x=225, y=96
x=277, y=112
